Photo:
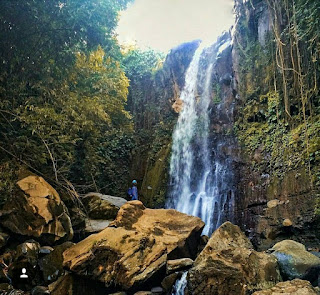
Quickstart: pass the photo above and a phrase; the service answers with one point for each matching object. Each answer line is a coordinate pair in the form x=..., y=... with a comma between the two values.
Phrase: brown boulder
x=37, y=211
x=229, y=265
x=134, y=249
x=295, y=287
x=293, y=259
x=101, y=206
x=226, y=236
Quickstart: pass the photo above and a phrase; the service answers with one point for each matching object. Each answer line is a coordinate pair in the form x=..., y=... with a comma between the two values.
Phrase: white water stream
x=198, y=178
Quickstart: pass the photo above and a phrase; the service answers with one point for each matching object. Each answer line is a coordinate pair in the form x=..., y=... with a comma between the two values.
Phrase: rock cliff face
x=276, y=196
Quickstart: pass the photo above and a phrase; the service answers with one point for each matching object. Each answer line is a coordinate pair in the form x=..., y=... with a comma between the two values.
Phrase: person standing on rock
x=134, y=190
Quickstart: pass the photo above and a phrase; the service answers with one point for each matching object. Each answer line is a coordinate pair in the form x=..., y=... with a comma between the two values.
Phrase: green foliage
x=279, y=82
x=62, y=90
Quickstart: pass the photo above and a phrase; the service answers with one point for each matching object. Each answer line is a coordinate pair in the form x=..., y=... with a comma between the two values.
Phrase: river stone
x=229, y=265
x=295, y=287
x=37, y=211
x=101, y=206
x=293, y=258
x=134, y=249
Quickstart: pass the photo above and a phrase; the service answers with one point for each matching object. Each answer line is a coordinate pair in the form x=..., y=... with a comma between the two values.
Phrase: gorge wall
x=260, y=123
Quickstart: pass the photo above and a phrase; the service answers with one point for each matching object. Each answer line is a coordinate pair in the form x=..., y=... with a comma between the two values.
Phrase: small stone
x=45, y=250
x=287, y=222
x=157, y=290
x=273, y=203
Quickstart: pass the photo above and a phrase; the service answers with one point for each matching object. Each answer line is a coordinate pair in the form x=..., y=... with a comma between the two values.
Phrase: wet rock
x=28, y=250
x=134, y=249
x=45, y=250
x=295, y=287
x=293, y=258
x=37, y=211
x=40, y=290
x=101, y=206
x=52, y=264
x=229, y=265
x=143, y=293
x=178, y=264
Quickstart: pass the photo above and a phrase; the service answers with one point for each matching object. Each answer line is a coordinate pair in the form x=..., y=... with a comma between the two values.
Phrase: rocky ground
x=105, y=245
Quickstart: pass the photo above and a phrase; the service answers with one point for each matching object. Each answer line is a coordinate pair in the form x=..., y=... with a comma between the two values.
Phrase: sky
x=164, y=24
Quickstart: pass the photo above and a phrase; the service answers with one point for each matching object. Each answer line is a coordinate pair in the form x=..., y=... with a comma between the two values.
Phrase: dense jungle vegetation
x=64, y=82
x=279, y=82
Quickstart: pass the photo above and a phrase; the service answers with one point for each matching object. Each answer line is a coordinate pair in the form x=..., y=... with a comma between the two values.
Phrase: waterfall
x=180, y=285
x=199, y=176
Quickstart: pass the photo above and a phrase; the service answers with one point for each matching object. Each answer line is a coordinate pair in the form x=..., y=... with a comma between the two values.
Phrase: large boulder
x=36, y=210
x=134, y=249
x=295, y=287
x=100, y=206
x=294, y=260
x=229, y=265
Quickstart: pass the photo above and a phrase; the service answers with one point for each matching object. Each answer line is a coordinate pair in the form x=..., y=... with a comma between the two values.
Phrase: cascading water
x=199, y=176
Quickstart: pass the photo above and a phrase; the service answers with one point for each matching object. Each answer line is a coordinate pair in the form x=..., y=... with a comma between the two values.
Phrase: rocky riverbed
x=136, y=251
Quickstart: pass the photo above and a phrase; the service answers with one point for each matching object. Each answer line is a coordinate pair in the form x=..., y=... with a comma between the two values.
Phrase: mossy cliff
x=265, y=120
x=156, y=96
x=276, y=66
